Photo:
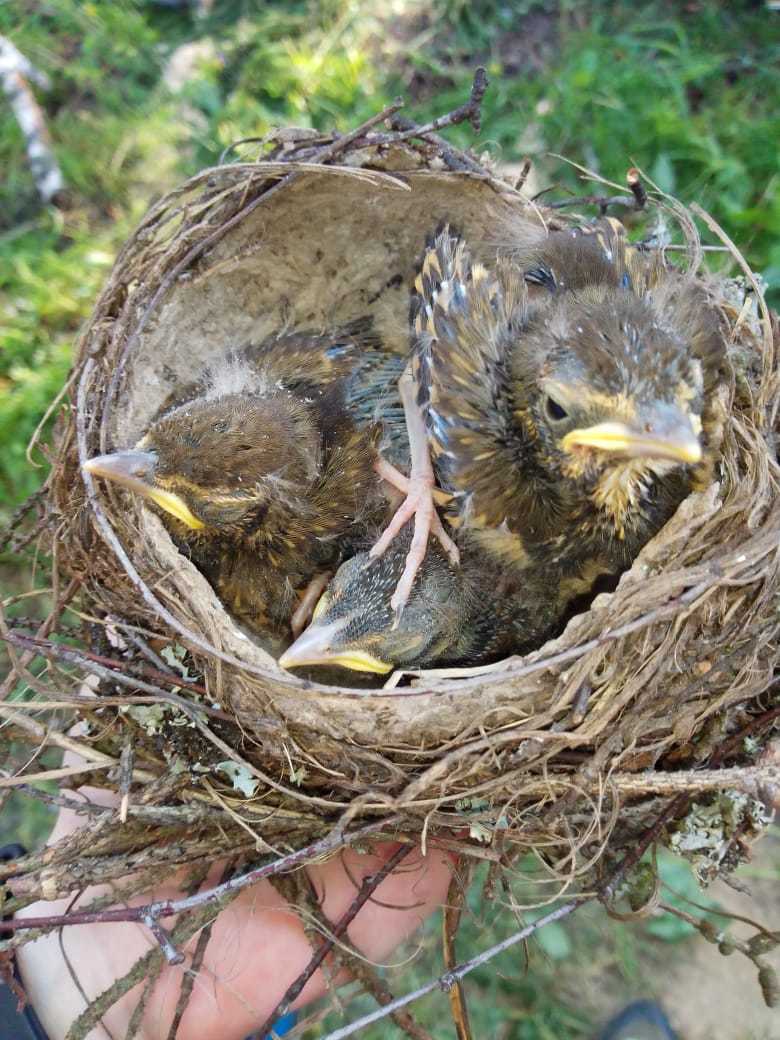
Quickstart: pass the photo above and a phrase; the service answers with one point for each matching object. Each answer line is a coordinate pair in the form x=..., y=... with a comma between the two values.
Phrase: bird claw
x=419, y=505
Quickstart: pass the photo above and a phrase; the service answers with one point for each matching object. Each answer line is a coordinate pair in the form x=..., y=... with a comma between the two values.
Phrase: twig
x=166, y=815
x=752, y=949
x=7, y=531
x=735, y=743
x=367, y=888
x=168, y=907
x=69, y=654
x=677, y=247
x=747, y=779
x=638, y=190
x=171, y=954
x=126, y=762
x=144, y=648
x=53, y=774
x=604, y=202
x=151, y=980
x=766, y=320
x=453, y=158
x=637, y=200
x=15, y=71
x=111, y=670
x=446, y=981
x=61, y=740
x=346, y=958
x=470, y=112
x=402, y=129
x=450, y=922
x=141, y=970
x=673, y=808
x=12, y=57
x=522, y=177
x=376, y=986
x=189, y=976
x=43, y=631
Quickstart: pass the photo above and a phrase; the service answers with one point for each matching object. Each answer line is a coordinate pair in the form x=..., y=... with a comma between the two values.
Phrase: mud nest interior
x=575, y=749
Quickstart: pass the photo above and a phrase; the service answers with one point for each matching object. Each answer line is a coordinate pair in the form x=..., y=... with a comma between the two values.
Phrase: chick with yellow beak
x=566, y=391
x=476, y=613
x=266, y=477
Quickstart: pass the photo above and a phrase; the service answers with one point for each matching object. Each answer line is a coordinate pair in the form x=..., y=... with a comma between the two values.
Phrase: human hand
x=256, y=950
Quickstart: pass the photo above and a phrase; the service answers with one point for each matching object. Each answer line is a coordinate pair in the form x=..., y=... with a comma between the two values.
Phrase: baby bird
x=478, y=612
x=265, y=477
x=565, y=395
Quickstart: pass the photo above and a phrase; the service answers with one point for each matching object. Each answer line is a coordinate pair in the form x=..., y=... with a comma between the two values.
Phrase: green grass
x=690, y=95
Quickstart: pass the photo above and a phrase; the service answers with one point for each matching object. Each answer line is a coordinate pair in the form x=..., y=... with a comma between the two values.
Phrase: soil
x=711, y=997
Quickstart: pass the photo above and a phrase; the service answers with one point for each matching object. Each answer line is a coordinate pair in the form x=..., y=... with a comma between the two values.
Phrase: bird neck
x=507, y=608
x=631, y=501
x=617, y=494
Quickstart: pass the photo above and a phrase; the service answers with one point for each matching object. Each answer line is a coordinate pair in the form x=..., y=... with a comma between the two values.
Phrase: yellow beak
x=675, y=441
x=315, y=646
x=135, y=471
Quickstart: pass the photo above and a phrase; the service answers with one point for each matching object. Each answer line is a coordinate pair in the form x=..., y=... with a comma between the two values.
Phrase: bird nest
x=653, y=700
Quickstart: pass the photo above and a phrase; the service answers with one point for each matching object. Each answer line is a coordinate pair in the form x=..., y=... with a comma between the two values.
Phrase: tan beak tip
x=311, y=649
x=125, y=467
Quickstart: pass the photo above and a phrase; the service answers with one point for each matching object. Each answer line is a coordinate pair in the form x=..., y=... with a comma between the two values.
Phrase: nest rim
x=547, y=662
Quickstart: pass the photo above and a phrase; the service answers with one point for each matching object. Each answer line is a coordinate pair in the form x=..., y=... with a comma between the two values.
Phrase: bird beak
x=135, y=471
x=315, y=646
x=668, y=434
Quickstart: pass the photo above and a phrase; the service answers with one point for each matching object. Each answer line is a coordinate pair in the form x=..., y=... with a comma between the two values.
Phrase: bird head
x=354, y=626
x=603, y=385
x=212, y=464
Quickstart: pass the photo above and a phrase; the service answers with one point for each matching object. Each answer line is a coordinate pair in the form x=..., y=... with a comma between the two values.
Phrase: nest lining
x=688, y=640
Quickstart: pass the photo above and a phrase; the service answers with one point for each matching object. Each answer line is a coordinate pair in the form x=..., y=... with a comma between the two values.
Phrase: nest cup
x=689, y=636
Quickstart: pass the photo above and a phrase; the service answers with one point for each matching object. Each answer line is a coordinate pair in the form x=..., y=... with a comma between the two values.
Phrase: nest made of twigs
x=648, y=718
x=636, y=694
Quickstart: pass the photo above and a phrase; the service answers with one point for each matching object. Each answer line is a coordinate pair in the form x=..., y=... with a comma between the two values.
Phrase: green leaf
x=554, y=940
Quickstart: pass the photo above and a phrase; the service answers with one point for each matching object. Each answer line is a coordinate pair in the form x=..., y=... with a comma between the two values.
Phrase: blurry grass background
x=143, y=94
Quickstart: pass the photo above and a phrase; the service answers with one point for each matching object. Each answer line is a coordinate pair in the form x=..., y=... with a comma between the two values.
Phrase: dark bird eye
x=554, y=410
x=221, y=426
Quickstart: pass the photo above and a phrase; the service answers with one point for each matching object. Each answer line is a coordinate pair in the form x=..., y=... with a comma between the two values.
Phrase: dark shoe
x=642, y=1020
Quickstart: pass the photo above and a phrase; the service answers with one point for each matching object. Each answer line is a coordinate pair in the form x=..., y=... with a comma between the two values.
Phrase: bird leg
x=303, y=612
x=419, y=502
x=393, y=476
